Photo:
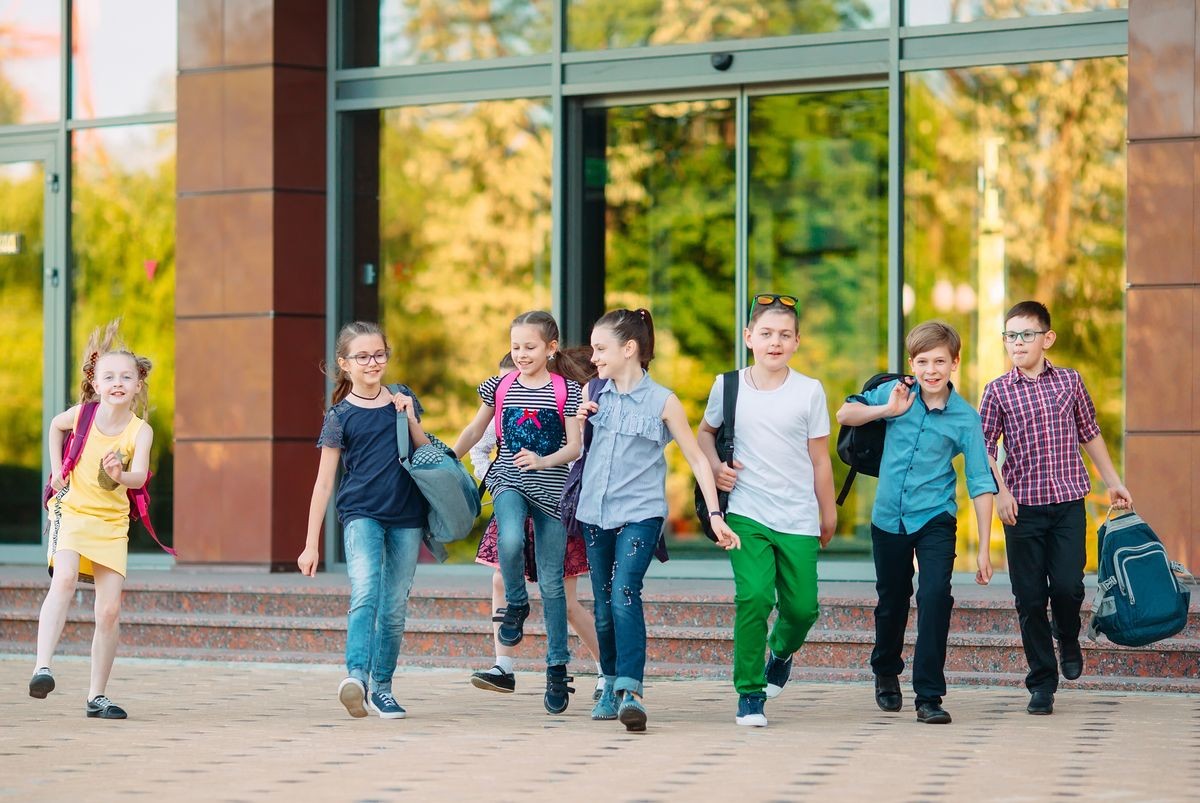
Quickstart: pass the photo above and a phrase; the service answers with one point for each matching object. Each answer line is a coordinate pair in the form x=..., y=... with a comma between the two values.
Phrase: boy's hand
x=586, y=409
x=1119, y=497
x=404, y=404
x=984, y=575
x=112, y=466
x=726, y=538
x=1006, y=507
x=725, y=475
x=527, y=460
x=828, y=527
x=900, y=399
x=308, y=561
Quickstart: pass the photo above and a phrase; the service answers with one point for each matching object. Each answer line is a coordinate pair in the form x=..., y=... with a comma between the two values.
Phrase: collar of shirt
x=950, y=399
x=637, y=394
x=1015, y=375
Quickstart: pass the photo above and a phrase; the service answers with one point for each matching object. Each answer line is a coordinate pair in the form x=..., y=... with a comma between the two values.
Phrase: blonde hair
x=931, y=334
x=103, y=341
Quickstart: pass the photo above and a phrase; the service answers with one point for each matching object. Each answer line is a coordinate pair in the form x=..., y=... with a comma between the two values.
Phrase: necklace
x=366, y=398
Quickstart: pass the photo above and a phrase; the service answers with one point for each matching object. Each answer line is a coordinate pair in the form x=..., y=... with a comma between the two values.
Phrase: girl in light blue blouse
x=623, y=503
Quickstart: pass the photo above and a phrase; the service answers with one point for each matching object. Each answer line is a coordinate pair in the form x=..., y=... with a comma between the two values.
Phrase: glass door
x=31, y=378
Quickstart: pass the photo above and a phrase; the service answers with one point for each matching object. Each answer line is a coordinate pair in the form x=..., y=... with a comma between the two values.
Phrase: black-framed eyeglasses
x=767, y=299
x=1025, y=337
x=379, y=357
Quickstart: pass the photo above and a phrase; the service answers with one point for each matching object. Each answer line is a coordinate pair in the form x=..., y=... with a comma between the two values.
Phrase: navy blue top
x=374, y=485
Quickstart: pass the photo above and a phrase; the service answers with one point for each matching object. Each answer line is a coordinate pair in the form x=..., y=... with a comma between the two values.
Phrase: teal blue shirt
x=916, y=475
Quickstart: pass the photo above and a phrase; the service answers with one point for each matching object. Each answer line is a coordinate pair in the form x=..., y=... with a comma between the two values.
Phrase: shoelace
x=387, y=699
x=101, y=701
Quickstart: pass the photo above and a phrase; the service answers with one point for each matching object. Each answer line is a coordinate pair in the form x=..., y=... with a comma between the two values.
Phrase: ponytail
x=574, y=363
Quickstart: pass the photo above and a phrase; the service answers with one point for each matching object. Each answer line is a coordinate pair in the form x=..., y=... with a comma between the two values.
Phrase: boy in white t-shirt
x=781, y=501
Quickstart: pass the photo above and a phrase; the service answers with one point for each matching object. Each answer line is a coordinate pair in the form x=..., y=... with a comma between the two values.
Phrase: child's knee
x=108, y=613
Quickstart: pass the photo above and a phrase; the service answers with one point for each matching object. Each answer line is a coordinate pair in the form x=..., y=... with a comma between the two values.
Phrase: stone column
x=1163, y=313
x=250, y=298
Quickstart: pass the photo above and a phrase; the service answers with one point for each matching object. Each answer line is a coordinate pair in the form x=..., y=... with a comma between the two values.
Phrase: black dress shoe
x=1041, y=703
x=887, y=693
x=1072, y=660
x=932, y=714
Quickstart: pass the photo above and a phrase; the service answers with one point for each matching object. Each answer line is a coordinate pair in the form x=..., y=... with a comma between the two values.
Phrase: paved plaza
x=224, y=732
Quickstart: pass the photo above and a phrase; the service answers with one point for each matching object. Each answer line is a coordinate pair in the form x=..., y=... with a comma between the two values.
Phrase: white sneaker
x=353, y=694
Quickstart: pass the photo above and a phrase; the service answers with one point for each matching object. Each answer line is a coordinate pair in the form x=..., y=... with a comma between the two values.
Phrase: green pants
x=772, y=569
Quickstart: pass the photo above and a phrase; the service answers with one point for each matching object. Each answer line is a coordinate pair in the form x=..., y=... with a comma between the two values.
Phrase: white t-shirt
x=770, y=438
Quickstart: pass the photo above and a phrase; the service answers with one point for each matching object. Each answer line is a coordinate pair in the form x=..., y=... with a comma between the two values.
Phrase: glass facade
x=30, y=62
x=936, y=12
x=109, y=78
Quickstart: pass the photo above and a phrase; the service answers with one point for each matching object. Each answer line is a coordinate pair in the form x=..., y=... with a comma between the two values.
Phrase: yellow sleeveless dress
x=91, y=515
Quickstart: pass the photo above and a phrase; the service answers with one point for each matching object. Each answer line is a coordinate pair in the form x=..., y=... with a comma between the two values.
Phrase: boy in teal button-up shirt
x=914, y=511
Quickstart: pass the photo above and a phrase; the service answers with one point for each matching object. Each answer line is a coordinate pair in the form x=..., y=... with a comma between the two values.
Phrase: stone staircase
x=269, y=618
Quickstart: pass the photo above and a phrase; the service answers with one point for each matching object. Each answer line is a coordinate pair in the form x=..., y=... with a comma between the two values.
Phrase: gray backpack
x=443, y=480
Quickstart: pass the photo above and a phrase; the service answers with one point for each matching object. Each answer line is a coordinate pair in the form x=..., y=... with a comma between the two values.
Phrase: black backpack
x=861, y=447
x=724, y=451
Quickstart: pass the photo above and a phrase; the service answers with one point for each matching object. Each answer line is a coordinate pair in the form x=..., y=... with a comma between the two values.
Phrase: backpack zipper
x=1119, y=562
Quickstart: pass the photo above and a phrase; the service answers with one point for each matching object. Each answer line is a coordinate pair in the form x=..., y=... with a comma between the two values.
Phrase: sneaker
x=632, y=713
x=778, y=672
x=495, y=679
x=601, y=682
x=512, y=621
x=384, y=704
x=606, y=705
x=750, y=711
x=558, y=692
x=41, y=684
x=103, y=708
x=353, y=695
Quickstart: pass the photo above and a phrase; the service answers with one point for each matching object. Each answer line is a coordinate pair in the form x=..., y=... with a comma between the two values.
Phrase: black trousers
x=1046, y=555
x=933, y=546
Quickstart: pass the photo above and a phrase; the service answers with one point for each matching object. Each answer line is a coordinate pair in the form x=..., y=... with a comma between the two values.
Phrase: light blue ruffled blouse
x=624, y=476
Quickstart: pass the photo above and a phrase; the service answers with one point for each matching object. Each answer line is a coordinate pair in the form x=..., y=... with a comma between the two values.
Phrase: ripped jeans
x=619, y=559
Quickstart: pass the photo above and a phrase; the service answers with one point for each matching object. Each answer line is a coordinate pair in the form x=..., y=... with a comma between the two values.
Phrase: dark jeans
x=1046, y=555
x=933, y=546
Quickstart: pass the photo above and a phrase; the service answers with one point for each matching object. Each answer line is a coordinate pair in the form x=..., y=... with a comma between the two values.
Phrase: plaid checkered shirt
x=1043, y=422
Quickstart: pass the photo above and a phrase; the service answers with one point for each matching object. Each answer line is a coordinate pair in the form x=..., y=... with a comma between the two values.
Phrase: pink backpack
x=506, y=382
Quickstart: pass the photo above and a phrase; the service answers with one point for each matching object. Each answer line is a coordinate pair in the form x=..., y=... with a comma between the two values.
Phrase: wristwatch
x=715, y=513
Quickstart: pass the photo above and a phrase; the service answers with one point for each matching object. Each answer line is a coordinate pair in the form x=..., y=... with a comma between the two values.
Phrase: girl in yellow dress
x=89, y=513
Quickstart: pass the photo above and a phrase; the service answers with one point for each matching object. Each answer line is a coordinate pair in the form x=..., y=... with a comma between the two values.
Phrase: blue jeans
x=381, y=562
x=619, y=559
x=511, y=509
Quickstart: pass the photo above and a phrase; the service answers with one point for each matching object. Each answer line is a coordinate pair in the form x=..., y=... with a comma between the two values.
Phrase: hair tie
x=141, y=370
x=642, y=314
x=89, y=367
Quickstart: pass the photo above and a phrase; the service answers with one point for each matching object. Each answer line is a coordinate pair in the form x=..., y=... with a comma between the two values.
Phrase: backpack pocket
x=1152, y=594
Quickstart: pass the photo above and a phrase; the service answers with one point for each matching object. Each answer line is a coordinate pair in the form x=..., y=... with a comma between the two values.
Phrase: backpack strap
x=846, y=486
x=76, y=440
x=560, y=394
x=505, y=383
x=403, y=439
x=593, y=387
x=139, y=509
x=729, y=410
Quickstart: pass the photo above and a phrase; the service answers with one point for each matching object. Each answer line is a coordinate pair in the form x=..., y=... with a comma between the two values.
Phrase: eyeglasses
x=767, y=299
x=1025, y=337
x=379, y=357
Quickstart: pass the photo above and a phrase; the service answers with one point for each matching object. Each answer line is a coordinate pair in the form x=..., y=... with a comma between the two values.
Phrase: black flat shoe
x=932, y=714
x=503, y=682
x=887, y=693
x=1041, y=703
x=41, y=684
x=1072, y=660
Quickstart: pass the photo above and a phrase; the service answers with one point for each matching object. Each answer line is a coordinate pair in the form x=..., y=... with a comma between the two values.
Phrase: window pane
x=1015, y=189
x=600, y=24
x=659, y=200
x=384, y=33
x=122, y=58
x=818, y=231
x=123, y=241
x=936, y=12
x=30, y=40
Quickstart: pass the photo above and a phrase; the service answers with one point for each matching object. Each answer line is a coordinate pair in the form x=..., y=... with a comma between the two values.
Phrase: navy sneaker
x=353, y=694
x=512, y=622
x=495, y=679
x=558, y=690
x=103, y=708
x=632, y=713
x=606, y=706
x=750, y=711
x=384, y=704
x=41, y=684
x=778, y=672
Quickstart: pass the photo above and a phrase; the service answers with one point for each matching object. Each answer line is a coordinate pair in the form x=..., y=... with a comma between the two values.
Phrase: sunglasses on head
x=767, y=299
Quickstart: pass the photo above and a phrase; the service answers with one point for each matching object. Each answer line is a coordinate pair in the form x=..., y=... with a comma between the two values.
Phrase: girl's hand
x=527, y=460
x=725, y=476
x=112, y=466
x=726, y=538
x=404, y=404
x=57, y=481
x=586, y=409
x=308, y=561
x=984, y=575
x=900, y=399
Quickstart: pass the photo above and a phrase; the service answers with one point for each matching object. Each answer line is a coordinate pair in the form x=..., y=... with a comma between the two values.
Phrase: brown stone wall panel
x=249, y=29
x=247, y=122
x=1159, y=342
x=1161, y=221
x=1162, y=68
x=293, y=472
x=221, y=509
x=299, y=384
x=200, y=30
x=224, y=385
x=199, y=137
x=299, y=129
x=300, y=33
x=199, y=254
x=1160, y=473
x=248, y=223
x=299, y=253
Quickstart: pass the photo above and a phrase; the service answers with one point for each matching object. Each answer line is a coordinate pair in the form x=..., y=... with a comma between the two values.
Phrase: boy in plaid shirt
x=1044, y=414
